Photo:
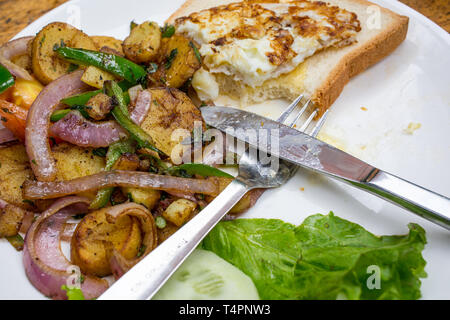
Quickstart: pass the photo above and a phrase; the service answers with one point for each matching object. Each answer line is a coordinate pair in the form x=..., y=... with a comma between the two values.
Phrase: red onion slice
x=118, y=178
x=74, y=128
x=184, y=195
x=6, y=136
x=142, y=106
x=38, y=122
x=45, y=264
x=68, y=231
x=12, y=49
x=120, y=265
x=133, y=92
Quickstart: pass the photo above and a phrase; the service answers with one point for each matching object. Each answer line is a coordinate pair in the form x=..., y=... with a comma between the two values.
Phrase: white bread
x=322, y=76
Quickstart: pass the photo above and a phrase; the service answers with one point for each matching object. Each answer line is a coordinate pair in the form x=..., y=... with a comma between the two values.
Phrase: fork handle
x=147, y=277
x=423, y=202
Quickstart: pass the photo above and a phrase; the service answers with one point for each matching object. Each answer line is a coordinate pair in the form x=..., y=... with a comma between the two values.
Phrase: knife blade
x=303, y=150
x=292, y=145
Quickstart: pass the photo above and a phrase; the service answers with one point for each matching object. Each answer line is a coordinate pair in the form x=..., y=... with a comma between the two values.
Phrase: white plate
x=409, y=86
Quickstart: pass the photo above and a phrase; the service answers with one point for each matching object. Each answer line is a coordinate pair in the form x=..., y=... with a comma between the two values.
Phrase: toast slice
x=322, y=76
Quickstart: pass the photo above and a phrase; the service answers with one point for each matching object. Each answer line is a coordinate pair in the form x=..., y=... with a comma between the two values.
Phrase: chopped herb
x=160, y=222
x=133, y=25
x=16, y=241
x=78, y=216
x=31, y=203
x=60, y=45
x=170, y=58
x=72, y=67
x=201, y=196
x=130, y=197
x=41, y=42
x=167, y=31
x=141, y=250
x=4, y=119
x=152, y=68
x=33, y=161
x=82, y=110
x=100, y=152
x=59, y=114
x=156, y=165
x=196, y=52
x=6, y=110
x=73, y=293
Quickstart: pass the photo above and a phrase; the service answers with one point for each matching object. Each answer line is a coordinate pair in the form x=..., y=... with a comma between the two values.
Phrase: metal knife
x=308, y=152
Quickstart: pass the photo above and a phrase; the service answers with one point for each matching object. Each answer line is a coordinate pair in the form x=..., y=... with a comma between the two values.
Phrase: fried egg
x=253, y=41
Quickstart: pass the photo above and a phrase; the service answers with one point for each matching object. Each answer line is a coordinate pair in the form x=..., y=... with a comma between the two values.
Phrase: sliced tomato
x=14, y=118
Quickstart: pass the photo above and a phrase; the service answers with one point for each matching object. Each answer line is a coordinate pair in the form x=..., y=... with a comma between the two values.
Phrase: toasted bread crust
x=353, y=63
x=360, y=59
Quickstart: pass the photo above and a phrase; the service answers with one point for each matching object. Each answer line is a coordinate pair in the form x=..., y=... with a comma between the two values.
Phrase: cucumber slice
x=206, y=276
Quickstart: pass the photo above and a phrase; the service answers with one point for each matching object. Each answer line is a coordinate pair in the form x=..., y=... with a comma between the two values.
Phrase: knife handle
x=423, y=202
x=147, y=277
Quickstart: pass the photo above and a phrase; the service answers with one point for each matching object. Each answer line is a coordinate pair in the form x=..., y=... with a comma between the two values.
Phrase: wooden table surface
x=17, y=14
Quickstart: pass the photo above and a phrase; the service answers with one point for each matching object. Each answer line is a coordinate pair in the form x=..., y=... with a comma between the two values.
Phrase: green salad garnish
x=326, y=257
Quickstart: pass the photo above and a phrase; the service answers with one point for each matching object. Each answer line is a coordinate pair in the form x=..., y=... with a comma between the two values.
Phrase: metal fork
x=147, y=277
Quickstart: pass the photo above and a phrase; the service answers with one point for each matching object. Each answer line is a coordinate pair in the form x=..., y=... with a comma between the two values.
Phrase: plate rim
x=392, y=5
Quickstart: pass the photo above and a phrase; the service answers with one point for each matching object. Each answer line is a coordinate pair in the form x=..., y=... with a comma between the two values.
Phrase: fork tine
x=289, y=109
x=308, y=122
x=302, y=111
x=314, y=133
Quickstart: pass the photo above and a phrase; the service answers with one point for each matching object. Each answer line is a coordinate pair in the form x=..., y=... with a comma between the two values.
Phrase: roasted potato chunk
x=46, y=64
x=74, y=162
x=95, y=238
x=108, y=42
x=10, y=220
x=96, y=77
x=147, y=197
x=179, y=211
x=170, y=109
x=100, y=105
x=127, y=161
x=178, y=61
x=14, y=170
x=142, y=45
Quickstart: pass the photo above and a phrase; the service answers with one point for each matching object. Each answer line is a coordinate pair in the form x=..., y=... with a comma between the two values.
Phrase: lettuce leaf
x=326, y=257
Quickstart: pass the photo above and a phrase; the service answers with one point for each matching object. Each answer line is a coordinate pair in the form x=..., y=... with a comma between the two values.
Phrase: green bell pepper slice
x=120, y=113
x=199, y=169
x=114, y=152
x=83, y=98
x=111, y=63
x=6, y=79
